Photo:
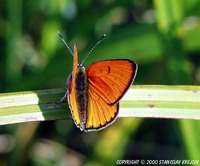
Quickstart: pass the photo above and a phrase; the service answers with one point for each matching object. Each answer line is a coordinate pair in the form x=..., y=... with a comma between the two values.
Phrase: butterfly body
x=81, y=95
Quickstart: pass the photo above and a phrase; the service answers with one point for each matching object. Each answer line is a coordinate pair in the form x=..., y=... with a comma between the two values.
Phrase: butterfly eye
x=81, y=67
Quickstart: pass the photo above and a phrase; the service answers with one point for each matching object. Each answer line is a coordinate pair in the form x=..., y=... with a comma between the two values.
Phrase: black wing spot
x=108, y=69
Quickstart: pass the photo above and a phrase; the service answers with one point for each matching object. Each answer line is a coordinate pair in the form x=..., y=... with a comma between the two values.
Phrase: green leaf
x=177, y=102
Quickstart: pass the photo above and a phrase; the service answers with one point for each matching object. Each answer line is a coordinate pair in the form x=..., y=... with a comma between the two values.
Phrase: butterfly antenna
x=65, y=43
x=97, y=43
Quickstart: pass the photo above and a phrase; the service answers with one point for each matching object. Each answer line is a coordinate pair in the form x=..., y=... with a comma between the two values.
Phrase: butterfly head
x=81, y=68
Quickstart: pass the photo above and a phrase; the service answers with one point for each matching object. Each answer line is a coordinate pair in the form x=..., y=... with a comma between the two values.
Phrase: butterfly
x=94, y=93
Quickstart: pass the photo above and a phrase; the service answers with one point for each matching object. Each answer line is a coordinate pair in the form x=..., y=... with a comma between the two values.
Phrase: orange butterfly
x=94, y=93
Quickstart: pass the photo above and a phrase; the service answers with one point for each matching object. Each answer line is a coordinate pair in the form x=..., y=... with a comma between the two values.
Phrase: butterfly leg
x=67, y=81
x=66, y=93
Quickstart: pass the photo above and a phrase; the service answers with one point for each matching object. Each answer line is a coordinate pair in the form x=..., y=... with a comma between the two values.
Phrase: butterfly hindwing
x=73, y=103
x=99, y=114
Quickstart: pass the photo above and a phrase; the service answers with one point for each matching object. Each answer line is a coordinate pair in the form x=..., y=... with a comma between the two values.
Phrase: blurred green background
x=162, y=36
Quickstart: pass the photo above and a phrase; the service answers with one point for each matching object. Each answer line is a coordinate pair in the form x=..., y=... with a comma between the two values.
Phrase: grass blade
x=150, y=101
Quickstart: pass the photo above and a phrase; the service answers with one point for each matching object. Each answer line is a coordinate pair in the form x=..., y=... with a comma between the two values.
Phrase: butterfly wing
x=110, y=79
x=100, y=114
x=71, y=90
x=72, y=103
x=75, y=65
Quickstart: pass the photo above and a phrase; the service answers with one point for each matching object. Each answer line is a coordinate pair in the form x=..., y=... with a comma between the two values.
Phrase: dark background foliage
x=162, y=36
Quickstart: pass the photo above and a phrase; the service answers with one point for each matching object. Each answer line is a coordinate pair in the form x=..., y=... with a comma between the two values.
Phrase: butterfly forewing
x=75, y=65
x=111, y=78
x=71, y=90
